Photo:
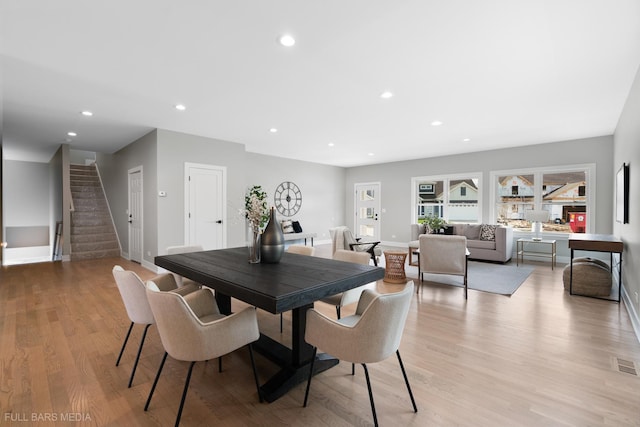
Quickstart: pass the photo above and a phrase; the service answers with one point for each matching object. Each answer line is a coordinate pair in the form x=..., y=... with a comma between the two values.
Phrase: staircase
x=92, y=232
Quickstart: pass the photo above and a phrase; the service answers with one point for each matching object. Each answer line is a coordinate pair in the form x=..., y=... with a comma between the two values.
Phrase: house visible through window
x=563, y=193
x=453, y=198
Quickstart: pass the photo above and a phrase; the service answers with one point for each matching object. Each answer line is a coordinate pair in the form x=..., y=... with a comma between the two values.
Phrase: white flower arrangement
x=255, y=208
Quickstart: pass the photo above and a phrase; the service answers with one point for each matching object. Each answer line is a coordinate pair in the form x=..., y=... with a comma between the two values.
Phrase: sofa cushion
x=487, y=232
x=472, y=232
x=481, y=244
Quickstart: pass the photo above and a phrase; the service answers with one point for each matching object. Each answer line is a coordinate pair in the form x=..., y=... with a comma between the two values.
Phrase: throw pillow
x=296, y=227
x=487, y=232
x=287, y=226
x=472, y=232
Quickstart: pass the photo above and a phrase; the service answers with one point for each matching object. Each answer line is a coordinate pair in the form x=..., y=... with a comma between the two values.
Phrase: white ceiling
x=501, y=72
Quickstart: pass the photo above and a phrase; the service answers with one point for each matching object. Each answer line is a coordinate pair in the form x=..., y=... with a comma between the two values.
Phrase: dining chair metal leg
x=255, y=373
x=135, y=364
x=280, y=322
x=155, y=382
x=184, y=394
x=124, y=344
x=353, y=365
x=373, y=406
x=313, y=359
x=406, y=381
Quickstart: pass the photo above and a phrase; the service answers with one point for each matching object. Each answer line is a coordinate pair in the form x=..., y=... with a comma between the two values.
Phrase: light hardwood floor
x=538, y=358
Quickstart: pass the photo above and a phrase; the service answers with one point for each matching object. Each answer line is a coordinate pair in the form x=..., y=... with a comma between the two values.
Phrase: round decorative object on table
x=394, y=267
x=272, y=241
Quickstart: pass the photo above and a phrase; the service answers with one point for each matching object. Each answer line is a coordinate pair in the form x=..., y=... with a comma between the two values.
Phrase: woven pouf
x=591, y=277
x=394, y=267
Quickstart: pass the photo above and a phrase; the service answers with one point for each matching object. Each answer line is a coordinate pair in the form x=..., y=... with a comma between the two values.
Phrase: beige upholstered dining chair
x=182, y=249
x=443, y=254
x=371, y=335
x=132, y=292
x=352, y=295
x=300, y=250
x=192, y=329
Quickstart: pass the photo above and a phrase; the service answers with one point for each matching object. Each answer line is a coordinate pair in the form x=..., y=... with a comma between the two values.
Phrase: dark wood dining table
x=293, y=284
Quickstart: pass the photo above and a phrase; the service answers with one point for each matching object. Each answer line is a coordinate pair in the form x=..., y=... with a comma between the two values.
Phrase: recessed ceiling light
x=72, y=133
x=286, y=40
x=371, y=154
x=386, y=95
x=273, y=130
x=87, y=113
x=331, y=144
x=180, y=107
x=436, y=123
x=466, y=140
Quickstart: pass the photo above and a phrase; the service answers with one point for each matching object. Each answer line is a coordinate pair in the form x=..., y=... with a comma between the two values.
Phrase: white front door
x=205, y=205
x=135, y=214
x=367, y=206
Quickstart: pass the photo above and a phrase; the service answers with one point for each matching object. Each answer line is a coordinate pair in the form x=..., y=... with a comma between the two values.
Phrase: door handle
x=219, y=221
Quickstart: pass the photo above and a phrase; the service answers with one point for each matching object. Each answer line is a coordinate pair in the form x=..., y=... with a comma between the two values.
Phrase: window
x=563, y=192
x=454, y=198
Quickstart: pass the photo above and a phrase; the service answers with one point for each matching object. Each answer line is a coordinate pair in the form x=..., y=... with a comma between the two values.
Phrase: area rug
x=503, y=279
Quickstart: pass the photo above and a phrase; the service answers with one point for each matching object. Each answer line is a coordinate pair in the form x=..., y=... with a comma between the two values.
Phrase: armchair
x=442, y=254
x=342, y=238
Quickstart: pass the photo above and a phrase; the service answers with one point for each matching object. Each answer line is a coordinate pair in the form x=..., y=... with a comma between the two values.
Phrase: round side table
x=394, y=267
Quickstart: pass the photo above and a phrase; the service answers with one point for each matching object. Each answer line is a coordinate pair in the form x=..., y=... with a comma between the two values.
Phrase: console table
x=521, y=250
x=299, y=236
x=597, y=243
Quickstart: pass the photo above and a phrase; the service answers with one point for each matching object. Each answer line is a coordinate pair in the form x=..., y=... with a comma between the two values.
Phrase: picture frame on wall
x=622, y=194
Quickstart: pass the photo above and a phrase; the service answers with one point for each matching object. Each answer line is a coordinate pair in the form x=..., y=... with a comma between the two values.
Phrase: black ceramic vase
x=272, y=241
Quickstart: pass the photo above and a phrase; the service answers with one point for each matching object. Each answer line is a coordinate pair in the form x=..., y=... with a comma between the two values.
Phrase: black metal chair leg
x=124, y=344
x=220, y=364
x=155, y=382
x=135, y=364
x=184, y=394
x=280, y=322
x=406, y=381
x=313, y=359
x=255, y=372
x=373, y=406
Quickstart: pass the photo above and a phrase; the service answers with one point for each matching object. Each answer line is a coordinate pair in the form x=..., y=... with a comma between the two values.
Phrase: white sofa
x=499, y=249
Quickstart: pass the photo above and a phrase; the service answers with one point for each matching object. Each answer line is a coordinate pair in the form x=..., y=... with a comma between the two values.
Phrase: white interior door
x=135, y=214
x=206, y=206
x=367, y=205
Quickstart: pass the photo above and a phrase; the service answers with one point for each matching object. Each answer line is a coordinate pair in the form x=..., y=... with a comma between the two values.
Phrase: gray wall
x=167, y=152
x=27, y=206
x=114, y=171
x=396, y=177
x=174, y=149
x=627, y=150
x=322, y=189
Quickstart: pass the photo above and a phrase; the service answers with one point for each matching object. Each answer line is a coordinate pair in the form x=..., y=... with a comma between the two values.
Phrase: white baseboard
x=633, y=315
